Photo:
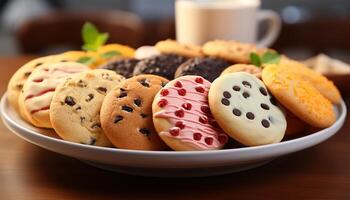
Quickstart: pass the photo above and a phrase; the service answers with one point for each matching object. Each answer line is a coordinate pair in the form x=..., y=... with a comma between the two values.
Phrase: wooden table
x=32, y=173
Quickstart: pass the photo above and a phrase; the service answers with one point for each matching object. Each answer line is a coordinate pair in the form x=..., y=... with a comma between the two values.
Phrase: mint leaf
x=255, y=59
x=92, y=38
x=86, y=60
x=110, y=54
x=89, y=33
x=270, y=57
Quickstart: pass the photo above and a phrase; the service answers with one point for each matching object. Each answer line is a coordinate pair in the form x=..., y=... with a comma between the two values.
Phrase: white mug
x=198, y=21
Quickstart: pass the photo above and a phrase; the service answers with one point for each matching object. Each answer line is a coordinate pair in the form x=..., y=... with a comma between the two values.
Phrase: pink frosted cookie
x=35, y=98
x=182, y=117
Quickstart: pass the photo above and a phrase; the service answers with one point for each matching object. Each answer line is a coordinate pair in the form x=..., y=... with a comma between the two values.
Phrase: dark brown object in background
x=316, y=35
x=63, y=28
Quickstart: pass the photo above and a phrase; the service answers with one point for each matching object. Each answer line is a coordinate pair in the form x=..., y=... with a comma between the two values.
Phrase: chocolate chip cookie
x=126, y=113
x=76, y=104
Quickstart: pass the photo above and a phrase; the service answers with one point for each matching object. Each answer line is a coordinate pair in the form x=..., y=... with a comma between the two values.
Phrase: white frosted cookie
x=146, y=52
x=244, y=109
x=76, y=104
x=35, y=98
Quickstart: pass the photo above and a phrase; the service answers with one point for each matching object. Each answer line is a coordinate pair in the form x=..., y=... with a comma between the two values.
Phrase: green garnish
x=92, y=38
x=269, y=57
x=86, y=60
x=110, y=54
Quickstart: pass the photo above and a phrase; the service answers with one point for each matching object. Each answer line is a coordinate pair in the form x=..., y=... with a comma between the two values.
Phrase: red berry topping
x=199, y=80
x=181, y=92
x=180, y=113
x=162, y=103
x=205, y=109
x=187, y=106
x=222, y=139
x=214, y=124
x=203, y=119
x=178, y=84
x=200, y=89
x=175, y=131
x=209, y=140
x=180, y=124
x=197, y=136
x=164, y=92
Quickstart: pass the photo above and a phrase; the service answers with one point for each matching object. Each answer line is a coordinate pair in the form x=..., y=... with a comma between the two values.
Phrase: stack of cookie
x=173, y=96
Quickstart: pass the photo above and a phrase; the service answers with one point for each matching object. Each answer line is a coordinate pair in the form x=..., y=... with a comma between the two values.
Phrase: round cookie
x=162, y=65
x=320, y=82
x=35, y=98
x=230, y=50
x=251, y=69
x=207, y=67
x=18, y=79
x=126, y=113
x=146, y=52
x=76, y=104
x=173, y=47
x=182, y=117
x=124, y=67
x=243, y=108
x=298, y=96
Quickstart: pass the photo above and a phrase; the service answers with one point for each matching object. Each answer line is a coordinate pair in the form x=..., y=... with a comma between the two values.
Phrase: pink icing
x=185, y=106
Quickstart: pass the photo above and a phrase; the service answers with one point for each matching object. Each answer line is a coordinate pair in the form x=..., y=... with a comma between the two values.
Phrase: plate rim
x=5, y=117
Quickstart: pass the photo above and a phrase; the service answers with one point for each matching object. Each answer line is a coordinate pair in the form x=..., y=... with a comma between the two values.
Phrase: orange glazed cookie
x=126, y=113
x=320, y=82
x=231, y=50
x=173, y=47
x=251, y=69
x=299, y=96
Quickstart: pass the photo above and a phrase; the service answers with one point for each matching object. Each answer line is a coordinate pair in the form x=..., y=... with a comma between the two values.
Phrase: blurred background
x=46, y=26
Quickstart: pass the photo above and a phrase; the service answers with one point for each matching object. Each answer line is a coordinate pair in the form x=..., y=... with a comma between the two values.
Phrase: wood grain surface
x=29, y=172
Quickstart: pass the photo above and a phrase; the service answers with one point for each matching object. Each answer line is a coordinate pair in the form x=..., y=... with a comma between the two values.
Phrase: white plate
x=167, y=163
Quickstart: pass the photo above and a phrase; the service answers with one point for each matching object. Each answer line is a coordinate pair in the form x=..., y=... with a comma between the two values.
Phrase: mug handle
x=274, y=27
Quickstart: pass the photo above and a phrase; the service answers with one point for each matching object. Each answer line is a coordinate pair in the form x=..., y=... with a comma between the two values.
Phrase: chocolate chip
x=273, y=101
x=265, y=123
x=19, y=86
x=81, y=83
x=250, y=115
x=78, y=108
x=236, y=88
x=246, y=94
x=143, y=115
x=82, y=119
x=227, y=94
x=118, y=118
x=102, y=90
x=127, y=108
x=264, y=106
x=27, y=74
x=144, y=131
x=137, y=102
x=246, y=84
x=236, y=112
x=263, y=91
x=122, y=89
x=38, y=64
x=92, y=141
x=226, y=102
x=69, y=101
x=144, y=82
x=89, y=97
x=122, y=94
